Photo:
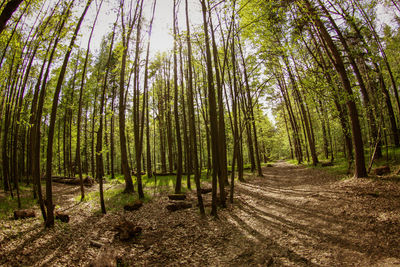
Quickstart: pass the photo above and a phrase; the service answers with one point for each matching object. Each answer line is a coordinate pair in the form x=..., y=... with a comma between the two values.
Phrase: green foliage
x=114, y=198
x=8, y=205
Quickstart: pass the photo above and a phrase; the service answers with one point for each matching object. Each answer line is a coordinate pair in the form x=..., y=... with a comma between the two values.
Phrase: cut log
x=135, y=206
x=382, y=170
x=88, y=181
x=326, y=164
x=62, y=216
x=164, y=174
x=62, y=177
x=127, y=230
x=269, y=165
x=206, y=190
x=22, y=214
x=96, y=244
x=177, y=197
x=179, y=206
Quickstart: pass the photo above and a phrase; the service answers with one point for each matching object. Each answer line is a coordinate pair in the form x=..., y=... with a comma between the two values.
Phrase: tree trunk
x=7, y=12
x=192, y=119
x=212, y=113
x=360, y=170
x=178, y=185
x=222, y=170
x=122, y=105
x=49, y=160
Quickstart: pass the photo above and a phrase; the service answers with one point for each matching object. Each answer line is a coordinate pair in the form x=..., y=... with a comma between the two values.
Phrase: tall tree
x=126, y=35
x=7, y=12
x=212, y=111
x=178, y=184
x=192, y=118
x=49, y=159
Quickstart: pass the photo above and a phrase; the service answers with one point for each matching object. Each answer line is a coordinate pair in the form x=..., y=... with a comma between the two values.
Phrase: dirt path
x=318, y=221
x=293, y=216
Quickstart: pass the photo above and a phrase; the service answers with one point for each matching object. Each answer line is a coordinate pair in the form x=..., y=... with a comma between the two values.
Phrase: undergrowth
x=9, y=204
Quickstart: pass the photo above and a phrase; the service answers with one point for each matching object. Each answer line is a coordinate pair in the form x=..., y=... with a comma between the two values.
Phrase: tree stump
x=179, y=206
x=177, y=197
x=382, y=170
x=205, y=190
x=135, y=206
x=105, y=258
x=88, y=181
x=22, y=214
x=62, y=216
x=127, y=230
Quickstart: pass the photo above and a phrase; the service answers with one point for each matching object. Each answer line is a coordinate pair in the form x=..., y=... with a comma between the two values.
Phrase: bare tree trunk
x=178, y=184
x=360, y=170
x=212, y=113
x=192, y=119
x=122, y=105
x=78, y=135
x=7, y=12
x=222, y=170
x=49, y=160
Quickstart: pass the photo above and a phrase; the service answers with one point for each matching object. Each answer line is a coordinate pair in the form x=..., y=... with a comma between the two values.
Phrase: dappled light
x=199, y=133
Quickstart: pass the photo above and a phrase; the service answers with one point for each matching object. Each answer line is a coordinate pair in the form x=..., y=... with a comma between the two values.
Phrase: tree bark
x=360, y=170
x=192, y=119
x=7, y=12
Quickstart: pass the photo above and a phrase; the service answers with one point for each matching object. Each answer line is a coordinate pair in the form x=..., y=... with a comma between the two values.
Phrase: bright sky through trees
x=161, y=39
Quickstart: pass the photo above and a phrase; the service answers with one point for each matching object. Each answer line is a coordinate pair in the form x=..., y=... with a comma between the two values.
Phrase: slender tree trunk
x=212, y=113
x=78, y=162
x=138, y=118
x=367, y=103
x=192, y=120
x=251, y=114
x=360, y=170
x=122, y=105
x=49, y=160
x=222, y=170
x=7, y=12
x=178, y=185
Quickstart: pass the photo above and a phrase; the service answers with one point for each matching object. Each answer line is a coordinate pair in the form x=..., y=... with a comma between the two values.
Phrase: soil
x=293, y=216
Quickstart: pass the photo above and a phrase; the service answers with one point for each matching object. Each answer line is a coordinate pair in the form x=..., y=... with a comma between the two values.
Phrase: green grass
x=340, y=167
x=390, y=156
x=8, y=205
x=114, y=198
x=292, y=161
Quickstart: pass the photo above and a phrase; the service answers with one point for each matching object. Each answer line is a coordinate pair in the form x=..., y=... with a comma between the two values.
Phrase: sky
x=161, y=38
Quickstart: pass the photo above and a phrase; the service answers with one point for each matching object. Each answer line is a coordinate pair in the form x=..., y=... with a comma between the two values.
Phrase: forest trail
x=293, y=216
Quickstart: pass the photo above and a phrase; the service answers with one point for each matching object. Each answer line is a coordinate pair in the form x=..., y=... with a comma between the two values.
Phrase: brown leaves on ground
x=293, y=216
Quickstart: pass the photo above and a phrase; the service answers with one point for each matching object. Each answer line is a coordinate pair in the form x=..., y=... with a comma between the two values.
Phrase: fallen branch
x=135, y=206
x=179, y=206
x=177, y=197
x=62, y=216
x=88, y=181
x=205, y=190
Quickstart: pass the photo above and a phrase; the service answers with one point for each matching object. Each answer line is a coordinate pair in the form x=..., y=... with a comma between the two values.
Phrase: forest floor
x=293, y=216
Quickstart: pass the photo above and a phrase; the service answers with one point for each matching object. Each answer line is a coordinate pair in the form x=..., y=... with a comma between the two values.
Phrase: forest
x=199, y=133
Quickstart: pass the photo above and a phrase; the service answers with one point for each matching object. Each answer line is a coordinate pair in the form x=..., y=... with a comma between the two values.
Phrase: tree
x=126, y=34
x=49, y=159
x=7, y=12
